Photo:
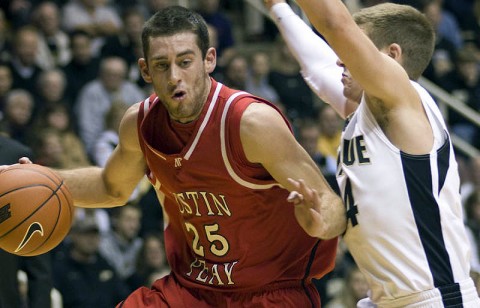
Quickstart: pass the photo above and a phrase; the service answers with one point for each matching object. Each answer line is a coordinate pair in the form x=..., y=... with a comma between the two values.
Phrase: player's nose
x=340, y=63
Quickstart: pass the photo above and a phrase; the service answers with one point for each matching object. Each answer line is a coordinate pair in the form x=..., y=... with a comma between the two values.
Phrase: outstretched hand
x=307, y=207
x=270, y=3
x=22, y=160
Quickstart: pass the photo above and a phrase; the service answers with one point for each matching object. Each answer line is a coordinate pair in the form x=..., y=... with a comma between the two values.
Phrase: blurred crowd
x=68, y=71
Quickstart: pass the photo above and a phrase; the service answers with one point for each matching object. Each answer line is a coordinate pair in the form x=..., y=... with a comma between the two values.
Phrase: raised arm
x=267, y=140
x=110, y=186
x=379, y=74
x=405, y=42
x=316, y=58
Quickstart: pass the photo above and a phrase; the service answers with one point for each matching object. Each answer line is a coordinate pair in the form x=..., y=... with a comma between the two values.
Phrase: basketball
x=36, y=209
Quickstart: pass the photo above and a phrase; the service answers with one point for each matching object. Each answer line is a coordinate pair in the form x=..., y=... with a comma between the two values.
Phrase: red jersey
x=229, y=226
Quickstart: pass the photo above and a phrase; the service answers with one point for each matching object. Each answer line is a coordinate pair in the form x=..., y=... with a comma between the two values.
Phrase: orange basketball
x=36, y=209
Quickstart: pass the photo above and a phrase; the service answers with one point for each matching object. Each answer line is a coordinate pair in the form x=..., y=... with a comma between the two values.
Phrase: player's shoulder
x=260, y=118
x=134, y=109
x=259, y=111
x=130, y=118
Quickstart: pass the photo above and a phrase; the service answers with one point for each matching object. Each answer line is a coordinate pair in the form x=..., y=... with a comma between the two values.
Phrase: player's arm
x=267, y=140
x=316, y=58
x=110, y=186
x=379, y=75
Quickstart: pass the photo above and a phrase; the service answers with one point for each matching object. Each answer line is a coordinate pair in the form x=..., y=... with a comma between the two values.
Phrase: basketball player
x=220, y=160
x=397, y=170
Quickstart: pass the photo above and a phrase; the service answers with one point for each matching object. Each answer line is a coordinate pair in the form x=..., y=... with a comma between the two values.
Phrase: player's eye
x=185, y=62
x=162, y=66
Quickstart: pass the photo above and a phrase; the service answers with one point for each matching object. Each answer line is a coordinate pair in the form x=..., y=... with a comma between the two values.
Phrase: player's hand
x=307, y=207
x=270, y=3
x=22, y=160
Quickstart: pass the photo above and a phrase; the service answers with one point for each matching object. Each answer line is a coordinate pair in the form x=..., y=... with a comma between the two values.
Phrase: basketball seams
x=31, y=214
x=25, y=187
x=33, y=179
x=56, y=193
x=59, y=205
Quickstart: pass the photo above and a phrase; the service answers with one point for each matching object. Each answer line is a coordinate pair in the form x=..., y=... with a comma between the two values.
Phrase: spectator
x=54, y=45
x=127, y=44
x=96, y=98
x=121, y=245
x=255, y=25
x=330, y=132
x=48, y=149
x=56, y=118
x=448, y=41
x=236, y=72
x=94, y=17
x=4, y=37
x=123, y=6
x=222, y=60
x=151, y=259
x=445, y=23
x=308, y=136
x=465, y=86
x=100, y=216
x=83, y=67
x=211, y=12
x=51, y=90
x=82, y=275
x=150, y=7
x=152, y=212
x=25, y=71
x=17, y=115
x=17, y=12
x=464, y=11
x=292, y=89
x=6, y=82
x=257, y=80
x=108, y=139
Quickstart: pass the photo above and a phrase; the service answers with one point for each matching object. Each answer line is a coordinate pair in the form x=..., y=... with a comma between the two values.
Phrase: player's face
x=179, y=74
x=351, y=88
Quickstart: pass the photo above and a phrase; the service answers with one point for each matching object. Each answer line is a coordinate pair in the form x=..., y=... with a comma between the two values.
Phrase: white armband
x=317, y=60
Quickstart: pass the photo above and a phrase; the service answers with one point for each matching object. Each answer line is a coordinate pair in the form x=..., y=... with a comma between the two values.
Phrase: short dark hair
x=172, y=20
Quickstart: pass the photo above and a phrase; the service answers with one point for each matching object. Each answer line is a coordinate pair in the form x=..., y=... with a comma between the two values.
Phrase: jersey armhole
x=235, y=153
x=233, y=142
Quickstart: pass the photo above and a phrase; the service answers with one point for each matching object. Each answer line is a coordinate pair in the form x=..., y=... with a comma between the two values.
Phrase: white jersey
x=405, y=223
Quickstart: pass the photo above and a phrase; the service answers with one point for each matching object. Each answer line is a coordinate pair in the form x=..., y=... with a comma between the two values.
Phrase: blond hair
x=389, y=23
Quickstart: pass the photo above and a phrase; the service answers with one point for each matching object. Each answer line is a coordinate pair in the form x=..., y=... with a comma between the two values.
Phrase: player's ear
x=142, y=64
x=395, y=51
x=210, y=60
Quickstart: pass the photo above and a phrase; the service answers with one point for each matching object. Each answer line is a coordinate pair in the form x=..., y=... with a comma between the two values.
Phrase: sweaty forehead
x=173, y=45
